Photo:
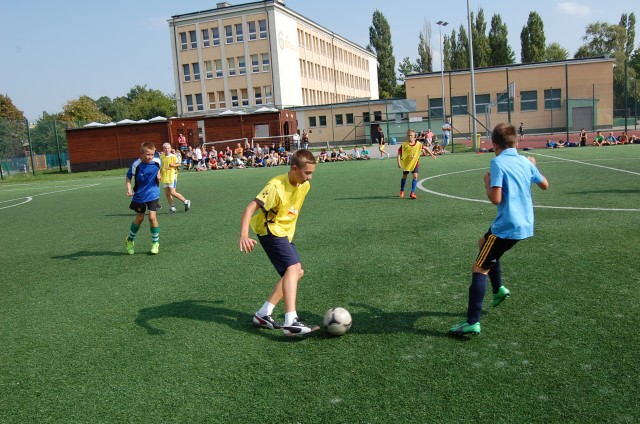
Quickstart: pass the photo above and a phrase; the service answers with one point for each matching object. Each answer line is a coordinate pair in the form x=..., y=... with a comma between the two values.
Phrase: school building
x=242, y=57
x=545, y=96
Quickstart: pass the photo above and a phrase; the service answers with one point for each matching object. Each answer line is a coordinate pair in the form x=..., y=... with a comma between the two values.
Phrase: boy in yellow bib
x=409, y=161
x=278, y=205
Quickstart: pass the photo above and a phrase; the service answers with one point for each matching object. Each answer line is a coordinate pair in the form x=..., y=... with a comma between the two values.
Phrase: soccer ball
x=337, y=321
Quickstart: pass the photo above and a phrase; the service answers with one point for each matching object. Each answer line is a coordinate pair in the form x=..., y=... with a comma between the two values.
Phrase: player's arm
x=544, y=184
x=494, y=194
x=399, y=157
x=246, y=243
x=129, y=191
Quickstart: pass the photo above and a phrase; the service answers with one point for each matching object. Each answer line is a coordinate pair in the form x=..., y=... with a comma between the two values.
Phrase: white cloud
x=573, y=8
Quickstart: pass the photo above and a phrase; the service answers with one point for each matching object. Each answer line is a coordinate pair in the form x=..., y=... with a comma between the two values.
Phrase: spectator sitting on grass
x=322, y=157
x=623, y=138
x=364, y=154
x=342, y=155
x=356, y=153
x=334, y=155
x=610, y=140
x=599, y=140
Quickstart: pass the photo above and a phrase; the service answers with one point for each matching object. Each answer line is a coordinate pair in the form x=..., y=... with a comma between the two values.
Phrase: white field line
x=27, y=199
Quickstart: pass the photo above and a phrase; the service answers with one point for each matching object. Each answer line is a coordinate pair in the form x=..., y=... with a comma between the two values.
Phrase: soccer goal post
x=224, y=143
x=286, y=140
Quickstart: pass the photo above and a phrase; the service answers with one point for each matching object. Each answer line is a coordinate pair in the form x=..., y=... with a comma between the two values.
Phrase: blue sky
x=53, y=52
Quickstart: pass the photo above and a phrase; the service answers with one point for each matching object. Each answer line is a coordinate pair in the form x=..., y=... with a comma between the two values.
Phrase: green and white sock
x=155, y=234
x=132, y=231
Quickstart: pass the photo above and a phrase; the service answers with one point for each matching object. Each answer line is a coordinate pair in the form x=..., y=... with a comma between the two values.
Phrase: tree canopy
x=380, y=44
x=533, y=40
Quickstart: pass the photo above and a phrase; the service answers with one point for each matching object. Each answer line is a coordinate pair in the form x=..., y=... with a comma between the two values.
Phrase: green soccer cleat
x=462, y=328
x=130, y=244
x=155, y=248
x=502, y=294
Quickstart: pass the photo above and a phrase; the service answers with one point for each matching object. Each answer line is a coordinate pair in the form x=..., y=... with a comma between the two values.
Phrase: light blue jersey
x=515, y=174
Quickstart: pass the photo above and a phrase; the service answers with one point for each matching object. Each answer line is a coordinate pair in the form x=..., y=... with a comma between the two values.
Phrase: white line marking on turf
x=587, y=163
x=535, y=206
x=30, y=198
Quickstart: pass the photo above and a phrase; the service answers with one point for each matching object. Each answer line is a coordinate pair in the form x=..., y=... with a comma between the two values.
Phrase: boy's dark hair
x=504, y=136
x=302, y=157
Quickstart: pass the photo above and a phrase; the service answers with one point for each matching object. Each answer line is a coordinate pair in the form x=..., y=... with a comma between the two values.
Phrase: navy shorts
x=153, y=206
x=415, y=171
x=492, y=249
x=281, y=252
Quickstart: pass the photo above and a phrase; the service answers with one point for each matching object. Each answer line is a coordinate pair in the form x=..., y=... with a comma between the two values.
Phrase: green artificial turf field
x=91, y=334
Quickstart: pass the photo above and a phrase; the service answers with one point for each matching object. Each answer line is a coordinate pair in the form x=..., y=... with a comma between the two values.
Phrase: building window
x=189, y=99
x=257, y=95
x=221, y=100
x=503, y=102
x=366, y=117
x=265, y=62
x=528, y=100
x=183, y=41
x=205, y=38
x=208, y=69
x=268, y=94
x=255, y=63
x=242, y=66
x=263, y=28
x=459, y=105
x=231, y=63
x=196, y=71
x=552, y=99
x=234, y=98
x=483, y=103
x=312, y=122
x=239, y=34
x=435, y=108
x=228, y=31
x=218, y=63
x=339, y=119
x=377, y=116
x=245, y=96
x=187, y=73
x=323, y=121
x=194, y=39
x=349, y=118
x=215, y=35
x=212, y=100
x=199, y=102
x=252, y=31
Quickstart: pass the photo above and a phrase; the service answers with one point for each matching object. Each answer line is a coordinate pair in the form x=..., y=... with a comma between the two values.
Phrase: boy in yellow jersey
x=278, y=205
x=169, y=174
x=409, y=161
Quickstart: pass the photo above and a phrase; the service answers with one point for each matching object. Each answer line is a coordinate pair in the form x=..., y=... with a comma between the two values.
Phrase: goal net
x=221, y=145
x=286, y=140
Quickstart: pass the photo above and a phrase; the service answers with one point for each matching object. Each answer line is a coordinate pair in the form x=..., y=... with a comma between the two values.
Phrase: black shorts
x=492, y=249
x=153, y=206
x=281, y=252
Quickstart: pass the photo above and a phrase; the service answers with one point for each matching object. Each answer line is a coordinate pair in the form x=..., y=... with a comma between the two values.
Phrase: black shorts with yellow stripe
x=492, y=249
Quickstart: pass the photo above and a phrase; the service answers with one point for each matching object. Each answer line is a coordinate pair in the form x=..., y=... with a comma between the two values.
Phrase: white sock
x=289, y=317
x=266, y=309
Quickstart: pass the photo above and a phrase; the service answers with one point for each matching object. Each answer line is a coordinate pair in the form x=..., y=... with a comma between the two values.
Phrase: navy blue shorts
x=492, y=249
x=415, y=171
x=281, y=252
x=153, y=206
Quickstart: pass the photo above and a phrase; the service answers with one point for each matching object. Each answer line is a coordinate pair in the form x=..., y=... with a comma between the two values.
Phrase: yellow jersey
x=280, y=203
x=167, y=173
x=410, y=155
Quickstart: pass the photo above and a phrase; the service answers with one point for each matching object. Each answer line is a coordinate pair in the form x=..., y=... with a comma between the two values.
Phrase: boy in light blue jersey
x=144, y=195
x=508, y=186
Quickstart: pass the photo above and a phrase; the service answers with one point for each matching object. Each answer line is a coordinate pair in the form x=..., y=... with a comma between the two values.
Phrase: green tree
x=380, y=44
x=628, y=22
x=481, y=49
x=447, y=52
x=555, y=51
x=425, y=56
x=460, y=55
x=43, y=134
x=147, y=103
x=13, y=130
x=533, y=40
x=82, y=110
x=500, y=51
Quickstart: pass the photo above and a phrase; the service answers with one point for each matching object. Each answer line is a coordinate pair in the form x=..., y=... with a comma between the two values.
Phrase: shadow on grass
x=87, y=253
x=369, y=198
x=376, y=321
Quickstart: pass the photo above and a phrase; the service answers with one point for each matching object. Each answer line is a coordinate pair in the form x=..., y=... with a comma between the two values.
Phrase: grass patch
x=90, y=334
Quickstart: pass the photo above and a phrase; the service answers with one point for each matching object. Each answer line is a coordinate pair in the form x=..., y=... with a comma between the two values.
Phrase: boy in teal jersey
x=278, y=205
x=145, y=195
x=508, y=186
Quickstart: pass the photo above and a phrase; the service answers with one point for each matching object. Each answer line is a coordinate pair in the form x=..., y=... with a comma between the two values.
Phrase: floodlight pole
x=473, y=84
x=444, y=109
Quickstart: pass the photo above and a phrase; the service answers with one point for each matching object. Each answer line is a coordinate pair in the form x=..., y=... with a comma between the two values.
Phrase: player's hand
x=487, y=179
x=129, y=193
x=247, y=244
x=532, y=159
